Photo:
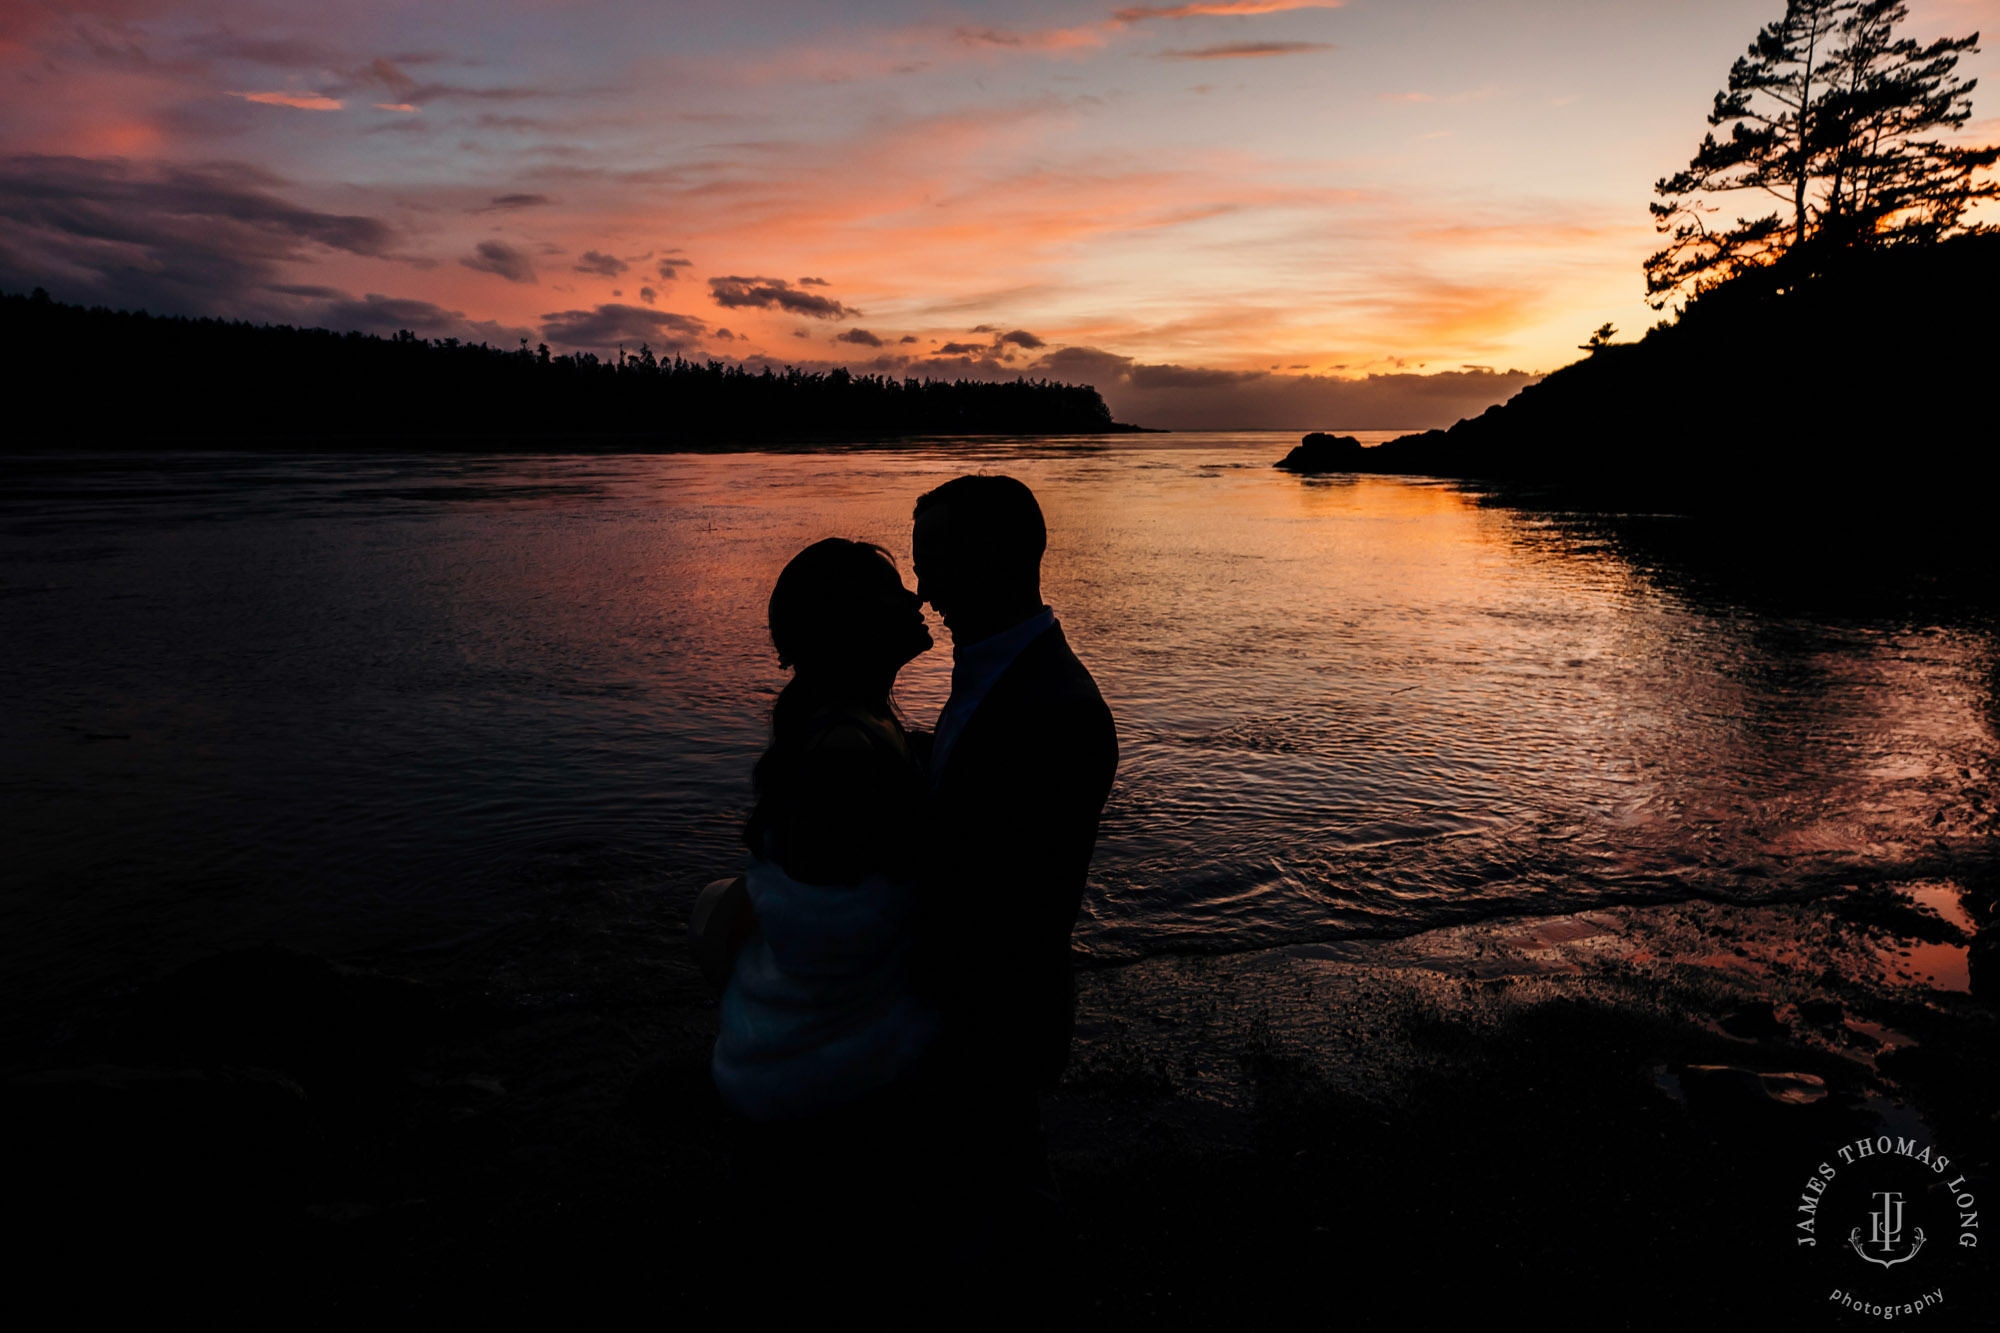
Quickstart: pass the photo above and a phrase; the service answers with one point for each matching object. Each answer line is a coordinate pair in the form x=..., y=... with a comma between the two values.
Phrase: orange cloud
x=1482, y=316
x=1041, y=39
x=301, y=101
x=120, y=138
x=1141, y=13
x=1521, y=235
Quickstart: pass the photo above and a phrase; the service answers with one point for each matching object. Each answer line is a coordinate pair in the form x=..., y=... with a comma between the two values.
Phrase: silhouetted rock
x=1320, y=452
x=1727, y=1088
x=1757, y=1020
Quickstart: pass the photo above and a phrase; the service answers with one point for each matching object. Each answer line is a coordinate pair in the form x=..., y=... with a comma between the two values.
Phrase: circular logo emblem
x=1886, y=1222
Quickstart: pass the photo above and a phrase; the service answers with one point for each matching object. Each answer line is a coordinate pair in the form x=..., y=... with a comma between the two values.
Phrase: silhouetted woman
x=819, y=1028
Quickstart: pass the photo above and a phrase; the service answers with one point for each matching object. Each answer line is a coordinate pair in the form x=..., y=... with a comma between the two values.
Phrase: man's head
x=978, y=545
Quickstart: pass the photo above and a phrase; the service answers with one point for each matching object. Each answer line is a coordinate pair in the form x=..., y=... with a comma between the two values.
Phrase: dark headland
x=130, y=380
x=1861, y=375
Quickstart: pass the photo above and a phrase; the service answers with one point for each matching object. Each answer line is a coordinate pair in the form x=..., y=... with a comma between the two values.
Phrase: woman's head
x=840, y=611
x=843, y=621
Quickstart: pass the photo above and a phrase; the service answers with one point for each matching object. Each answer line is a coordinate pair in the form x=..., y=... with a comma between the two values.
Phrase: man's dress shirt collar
x=975, y=667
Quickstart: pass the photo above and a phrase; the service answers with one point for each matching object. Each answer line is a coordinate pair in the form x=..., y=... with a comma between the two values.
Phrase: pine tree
x=1827, y=112
x=1886, y=182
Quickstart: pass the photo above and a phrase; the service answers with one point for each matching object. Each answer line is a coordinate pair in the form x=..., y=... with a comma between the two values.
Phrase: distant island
x=1857, y=373
x=129, y=380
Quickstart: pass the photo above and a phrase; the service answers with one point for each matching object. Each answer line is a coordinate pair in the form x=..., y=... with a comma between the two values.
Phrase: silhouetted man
x=1020, y=766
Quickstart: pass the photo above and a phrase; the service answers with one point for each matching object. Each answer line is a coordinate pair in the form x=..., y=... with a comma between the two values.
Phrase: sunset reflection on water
x=386, y=703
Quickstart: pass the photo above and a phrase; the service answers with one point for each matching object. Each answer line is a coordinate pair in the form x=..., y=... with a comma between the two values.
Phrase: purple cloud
x=501, y=203
x=1189, y=377
x=210, y=239
x=611, y=324
x=375, y=313
x=600, y=264
x=775, y=294
x=500, y=258
x=1086, y=365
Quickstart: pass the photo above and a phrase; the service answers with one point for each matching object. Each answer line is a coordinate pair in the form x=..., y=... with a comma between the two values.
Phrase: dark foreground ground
x=1601, y=1120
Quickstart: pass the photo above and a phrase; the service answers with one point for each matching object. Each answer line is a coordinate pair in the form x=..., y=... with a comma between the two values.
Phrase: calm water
x=495, y=715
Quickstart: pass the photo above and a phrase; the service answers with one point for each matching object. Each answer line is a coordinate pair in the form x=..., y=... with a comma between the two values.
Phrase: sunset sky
x=1256, y=213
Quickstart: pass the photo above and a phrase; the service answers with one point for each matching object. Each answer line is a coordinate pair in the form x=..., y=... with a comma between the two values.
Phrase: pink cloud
x=1042, y=39
x=300, y=101
x=901, y=51
x=1225, y=8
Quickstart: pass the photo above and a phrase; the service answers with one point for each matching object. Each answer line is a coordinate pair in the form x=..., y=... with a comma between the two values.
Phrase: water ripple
x=429, y=702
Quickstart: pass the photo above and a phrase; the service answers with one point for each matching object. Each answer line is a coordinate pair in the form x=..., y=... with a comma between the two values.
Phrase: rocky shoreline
x=1586, y=1112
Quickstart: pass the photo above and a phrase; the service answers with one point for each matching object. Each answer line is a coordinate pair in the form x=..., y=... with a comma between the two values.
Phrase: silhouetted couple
x=902, y=990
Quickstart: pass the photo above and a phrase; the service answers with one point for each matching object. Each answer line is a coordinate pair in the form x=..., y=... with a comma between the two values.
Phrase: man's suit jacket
x=1015, y=817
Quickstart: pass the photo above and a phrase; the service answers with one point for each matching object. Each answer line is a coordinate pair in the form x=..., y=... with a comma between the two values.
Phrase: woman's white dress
x=818, y=1010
